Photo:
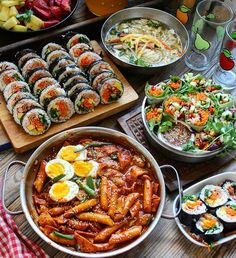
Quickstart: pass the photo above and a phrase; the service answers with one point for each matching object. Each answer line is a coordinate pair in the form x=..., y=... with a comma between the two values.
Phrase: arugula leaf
x=26, y=16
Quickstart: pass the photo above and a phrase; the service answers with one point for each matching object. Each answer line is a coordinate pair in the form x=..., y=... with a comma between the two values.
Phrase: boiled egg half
x=63, y=191
x=68, y=153
x=86, y=168
x=56, y=167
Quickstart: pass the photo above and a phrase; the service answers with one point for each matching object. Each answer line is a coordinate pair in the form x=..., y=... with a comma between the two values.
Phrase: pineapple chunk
x=10, y=23
x=35, y=23
x=13, y=11
x=4, y=13
x=20, y=28
x=9, y=3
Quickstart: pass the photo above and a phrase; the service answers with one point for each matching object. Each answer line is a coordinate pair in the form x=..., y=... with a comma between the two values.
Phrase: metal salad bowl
x=29, y=174
x=172, y=152
x=144, y=12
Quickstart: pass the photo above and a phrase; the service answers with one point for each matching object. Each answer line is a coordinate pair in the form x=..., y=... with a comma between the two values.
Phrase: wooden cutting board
x=22, y=142
x=4, y=140
x=132, y=125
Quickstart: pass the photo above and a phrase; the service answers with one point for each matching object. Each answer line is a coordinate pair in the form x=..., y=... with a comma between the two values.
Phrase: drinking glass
x=225, y=73
x=208, y=29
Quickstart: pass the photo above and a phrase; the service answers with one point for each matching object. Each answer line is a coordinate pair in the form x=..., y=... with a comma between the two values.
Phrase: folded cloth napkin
x=13, y=244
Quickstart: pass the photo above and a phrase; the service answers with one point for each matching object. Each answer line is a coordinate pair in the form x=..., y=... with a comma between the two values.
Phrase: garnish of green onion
x=93, y=144
x=54, y=180
x=90, y=183
x=71, y=237
x=86, y=188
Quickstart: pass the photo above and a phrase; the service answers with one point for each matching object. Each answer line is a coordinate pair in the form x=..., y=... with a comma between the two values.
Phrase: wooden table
x=166, y=240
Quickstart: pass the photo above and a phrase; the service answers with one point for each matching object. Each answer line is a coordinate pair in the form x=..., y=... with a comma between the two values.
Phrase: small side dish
x=94, y=195
x=32, y=15
x=191, y=114
x=210, y=215
x=144, y=42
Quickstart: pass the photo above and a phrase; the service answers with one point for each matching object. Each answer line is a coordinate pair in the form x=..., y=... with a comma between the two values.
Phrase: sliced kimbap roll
x=110, y=90
x=213, y=196
x=14, y=87
x=230, y=187
x=35, y=121
x=55, y=54
x=227, y=214
x=79, y=49
x=23, y=106
x=42, y=84
x=77, y=38
x=37, y=74
x=73, y=79
x=192, y=208
x=60, y=62
x=85, y=100
x=9, y=76
x=209, y=228
x=86, y=59
x=50, y=47
x=22, y=61
x=77, y=86
x=49, y=93
x=98, y=67
x=15, y=97
x=32, y=64
x=7, y=66
x=24, y=52
x=60, y=109
x=101, y=76
x=67, y=71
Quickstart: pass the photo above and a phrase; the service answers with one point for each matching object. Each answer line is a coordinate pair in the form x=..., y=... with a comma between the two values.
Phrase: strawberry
x=42, y=13
x=41, y=4
x=66, y=6
x=50, y=23
x=56, y=11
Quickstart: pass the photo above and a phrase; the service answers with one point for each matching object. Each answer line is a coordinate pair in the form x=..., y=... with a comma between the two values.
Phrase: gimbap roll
x=50, y=47
x=23, y=106
x=209, y=228
x=101, y=76
x=42, y=84
x=85, y=100
x=59, y=63
x=79, y=49
x=55, y=54
x=35, y=121
x=213, y=196
x=60, y=109
x=23, y=52
x=72, y=80
x=37, y=74
x=110, y=90
x=49, y=93
x=98, y=67
x=9, y=76
x=7, y=66
x=230, y=187
x=16, y=97
x=22, y=61
x=32, y=64
x=67, y=71
x=14, y=87
x=77, y=38
x=192, y=208
x=77, y=86
x=86, y=59
x=227, y=214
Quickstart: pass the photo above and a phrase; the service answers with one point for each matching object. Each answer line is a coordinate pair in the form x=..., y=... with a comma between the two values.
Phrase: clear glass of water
x=225, y=73
x=207, y=33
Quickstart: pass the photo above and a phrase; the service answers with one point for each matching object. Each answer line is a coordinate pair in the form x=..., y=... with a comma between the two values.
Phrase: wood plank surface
x=22, y=142
x=166, y=241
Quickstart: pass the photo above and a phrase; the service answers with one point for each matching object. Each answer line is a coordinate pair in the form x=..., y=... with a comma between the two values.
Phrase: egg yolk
x=55, y=169
x=68, y=154
x=60, y=190
x=82, y=168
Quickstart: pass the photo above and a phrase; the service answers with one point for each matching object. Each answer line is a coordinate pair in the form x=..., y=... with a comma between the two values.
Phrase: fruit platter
x=190, y=114
x=34, y=15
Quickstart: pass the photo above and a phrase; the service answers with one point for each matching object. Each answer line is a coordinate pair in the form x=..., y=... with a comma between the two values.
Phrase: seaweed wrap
x=7, y=66
x=14, y=87
x=86, y=59
x=95, y=81
x=49, y=93
x=98, y=67
x=31, y=65
x=79, y=49
x=22, y=61
x=50, y=47
x=37, y=74
x=230, y=187
x=42, y=84
x=227, y=215
x=75, y=39
x=9, y=76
